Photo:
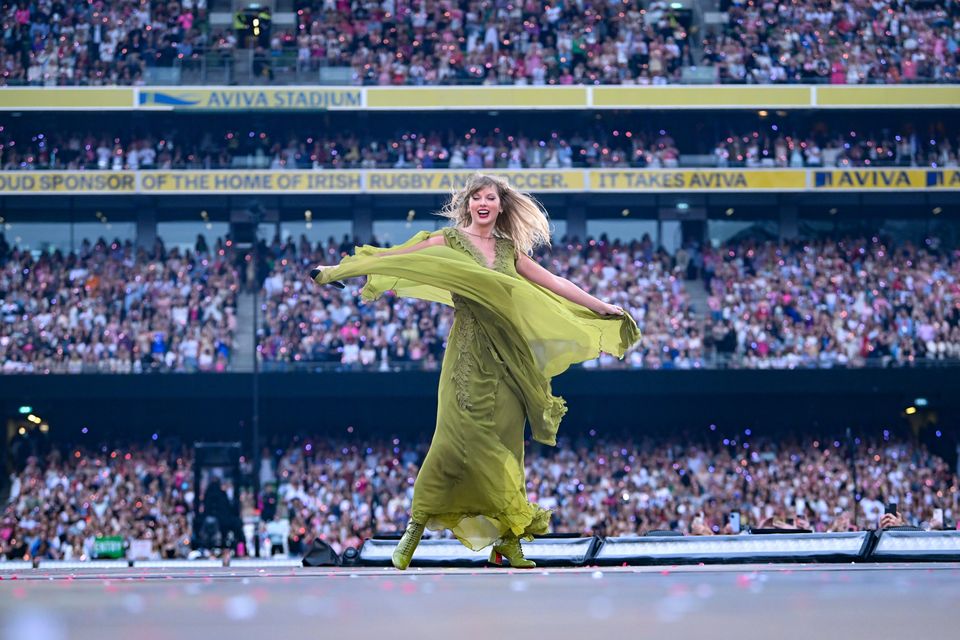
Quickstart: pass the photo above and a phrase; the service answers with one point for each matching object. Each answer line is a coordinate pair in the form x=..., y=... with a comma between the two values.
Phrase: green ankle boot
x=510, y=549
x=403, y=554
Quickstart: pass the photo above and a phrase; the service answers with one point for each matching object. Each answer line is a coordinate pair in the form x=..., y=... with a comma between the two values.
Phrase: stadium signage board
x=250, y=182
x=243, y=99
x=873, y=179
x=323, y=98
x=697, y=180
x=438, y=181
x=34, y=182
x=445, y=181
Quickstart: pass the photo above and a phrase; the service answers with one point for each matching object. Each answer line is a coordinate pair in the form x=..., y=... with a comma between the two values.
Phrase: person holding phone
x=891, y=517
x=516, y=325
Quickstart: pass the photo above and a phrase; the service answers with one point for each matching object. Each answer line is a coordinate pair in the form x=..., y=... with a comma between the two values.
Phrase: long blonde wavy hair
x=523, y=219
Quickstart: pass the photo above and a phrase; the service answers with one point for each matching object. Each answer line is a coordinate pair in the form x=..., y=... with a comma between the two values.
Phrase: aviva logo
x=162, y=99
x=868, y=179
x=944, y=179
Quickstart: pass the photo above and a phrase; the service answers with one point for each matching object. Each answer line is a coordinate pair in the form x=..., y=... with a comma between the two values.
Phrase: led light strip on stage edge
x=199, y=563
x=787, y=547
x=543, y=551
x=84, y=564
x=917, y=545
x=265, y=563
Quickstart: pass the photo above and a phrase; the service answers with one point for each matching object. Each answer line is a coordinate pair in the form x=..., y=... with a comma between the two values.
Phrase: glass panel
x=623, y=229
x=49, y=236
x=183, y=235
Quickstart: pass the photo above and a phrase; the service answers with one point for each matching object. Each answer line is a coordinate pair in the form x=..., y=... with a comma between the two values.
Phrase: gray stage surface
x=702, y=602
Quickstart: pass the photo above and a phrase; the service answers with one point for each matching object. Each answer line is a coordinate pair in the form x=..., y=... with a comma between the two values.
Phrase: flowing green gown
x=509, y=338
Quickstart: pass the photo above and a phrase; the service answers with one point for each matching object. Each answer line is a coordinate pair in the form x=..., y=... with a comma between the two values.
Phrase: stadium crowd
x=832, y=303
x=63, y=499
x=108, y=42
x=494, y=42
x=600, y=146
x=822, y=303
x=857, y=42
x=112, y=308
x=848, y=303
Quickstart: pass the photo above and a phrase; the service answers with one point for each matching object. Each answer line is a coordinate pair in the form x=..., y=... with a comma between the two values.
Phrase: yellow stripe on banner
x=889, y=96
x=697, y=180
x=701, y=96
x=476, y=97
x=63, y=98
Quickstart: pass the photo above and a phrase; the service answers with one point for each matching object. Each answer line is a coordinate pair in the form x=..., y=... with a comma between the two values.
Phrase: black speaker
x=350, y=558
x=320, y=554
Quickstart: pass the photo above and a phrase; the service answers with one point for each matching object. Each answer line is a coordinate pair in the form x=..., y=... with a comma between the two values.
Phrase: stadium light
x=920, y=402
x=543, y=551
x=34, y=419
x=917, y=545
x=910, y=411
x=786, y=547
x=25, y=409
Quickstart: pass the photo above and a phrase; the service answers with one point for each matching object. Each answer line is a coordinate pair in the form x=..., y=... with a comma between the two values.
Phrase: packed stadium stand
x=602, y=142
x=490, y=43
x=63, y=498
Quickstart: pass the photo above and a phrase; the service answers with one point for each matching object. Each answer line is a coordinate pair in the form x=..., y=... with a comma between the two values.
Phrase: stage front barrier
x=921, y=546
x=430, y=553
x=199, y=563
x=734, y=549
x=863, y=546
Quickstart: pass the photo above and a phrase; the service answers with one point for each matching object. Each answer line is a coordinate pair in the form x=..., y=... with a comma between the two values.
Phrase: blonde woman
x=516, y=325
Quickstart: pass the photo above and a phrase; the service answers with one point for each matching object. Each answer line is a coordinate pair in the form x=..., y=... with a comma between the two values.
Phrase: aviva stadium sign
x=242, y=99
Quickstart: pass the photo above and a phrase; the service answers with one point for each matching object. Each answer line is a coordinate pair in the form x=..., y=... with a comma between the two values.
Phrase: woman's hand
x=317, y=275
x=606, y=309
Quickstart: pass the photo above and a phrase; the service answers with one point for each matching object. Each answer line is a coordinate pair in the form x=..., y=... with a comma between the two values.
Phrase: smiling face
x=484, y=210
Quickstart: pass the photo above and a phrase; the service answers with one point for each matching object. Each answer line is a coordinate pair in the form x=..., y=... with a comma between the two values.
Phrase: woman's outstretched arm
x=533, y=272
x=432, y=241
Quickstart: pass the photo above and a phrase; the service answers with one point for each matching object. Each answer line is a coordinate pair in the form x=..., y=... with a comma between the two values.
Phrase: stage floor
x=702, y=602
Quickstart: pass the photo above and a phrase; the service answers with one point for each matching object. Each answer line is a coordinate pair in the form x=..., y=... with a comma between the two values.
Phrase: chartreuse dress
x=509, y=338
